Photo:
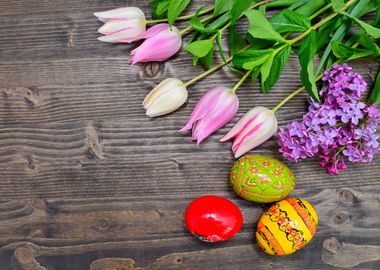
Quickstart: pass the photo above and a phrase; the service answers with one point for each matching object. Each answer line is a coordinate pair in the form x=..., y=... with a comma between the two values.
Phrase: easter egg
x=213, y=218
x=261, y=179
x=286, y=226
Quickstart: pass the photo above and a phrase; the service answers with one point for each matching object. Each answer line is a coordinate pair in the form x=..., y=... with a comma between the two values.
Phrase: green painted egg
x=261, y=179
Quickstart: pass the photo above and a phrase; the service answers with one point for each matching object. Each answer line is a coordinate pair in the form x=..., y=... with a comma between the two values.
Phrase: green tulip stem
x=240, y=82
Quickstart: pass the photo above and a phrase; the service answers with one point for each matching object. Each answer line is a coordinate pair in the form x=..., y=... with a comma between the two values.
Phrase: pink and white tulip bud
x=120, y=14
x=165, y=98
x=162, y=42
x=215, y=109
x=255, y=127
x=122, y=24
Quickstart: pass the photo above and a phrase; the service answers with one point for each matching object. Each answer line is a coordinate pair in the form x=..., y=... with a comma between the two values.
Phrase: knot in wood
x=103, y=223
x=332, y=244
x=347, y=196
x=341, y=218
x=151, y=69
x=25, y=254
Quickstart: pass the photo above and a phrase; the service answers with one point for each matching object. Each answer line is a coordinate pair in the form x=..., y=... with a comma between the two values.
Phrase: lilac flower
x=328, y=116
x=340, y=128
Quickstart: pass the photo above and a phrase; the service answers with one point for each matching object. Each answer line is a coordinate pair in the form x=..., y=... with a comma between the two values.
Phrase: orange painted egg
x=261, y=179
x=286, y=226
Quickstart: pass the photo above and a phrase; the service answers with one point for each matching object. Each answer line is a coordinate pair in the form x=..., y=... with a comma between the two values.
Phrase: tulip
x=120, y=14
x=215, y=109
x=255, y=127
x=122, y=24
x=162, y=42
x=165, y=98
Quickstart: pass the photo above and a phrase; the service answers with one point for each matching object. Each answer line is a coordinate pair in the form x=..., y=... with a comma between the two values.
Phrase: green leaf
x=290, y=21
x=197, y=24
x=260, y=27
x=221, y=6
x=263, y=9
x=218, y=23
x=325, y=33
x=338, y=36
x=341, y=32
x=306, y=54
x=207, y=60
x=159, y=8
x=256, y=62
x=337, y=5
x=298, y=4
x=375, y=93
x=377, y=18
x=310, y=7
x=282, y=3
x=278, y=65
x=265, y=71
x=175, y=9
x=200, y=48
x=342, y=51
x=371, y=30
x=255, y=74
x=236, y=40
x=247, y=56
x=238, y=9
x=162, y=8
x=370, y=44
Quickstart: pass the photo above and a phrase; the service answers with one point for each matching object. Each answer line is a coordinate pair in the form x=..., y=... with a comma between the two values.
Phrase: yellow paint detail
x=274, y=225
x=311, y=210
x=278, y=234
x=264, y=245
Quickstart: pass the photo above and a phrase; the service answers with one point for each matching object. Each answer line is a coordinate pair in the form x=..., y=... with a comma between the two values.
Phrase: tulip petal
x=166, y=97
x=248, y=130
x=117, y=31
x=119, y=14
x=159, y=47
x=160, y=89
x=203, y=106
x=217, y=117
x=257, y=138
x=167, y=103
x=114, y=27
x=243, y=122
x=152, y=31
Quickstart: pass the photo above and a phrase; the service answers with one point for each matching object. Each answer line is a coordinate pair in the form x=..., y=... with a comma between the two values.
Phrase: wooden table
x=89, y=182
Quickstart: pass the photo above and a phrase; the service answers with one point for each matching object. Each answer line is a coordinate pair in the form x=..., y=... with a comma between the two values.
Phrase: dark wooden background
x=88, y=182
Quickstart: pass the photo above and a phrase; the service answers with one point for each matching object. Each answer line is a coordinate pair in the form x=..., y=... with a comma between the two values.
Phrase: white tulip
x=121, y=24
x=120, y=14
x=165, y=98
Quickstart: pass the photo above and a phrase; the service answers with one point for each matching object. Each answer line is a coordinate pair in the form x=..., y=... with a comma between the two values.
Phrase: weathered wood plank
x=62, y=234
x=88, y=182
x=84, y=89
x=126, y=158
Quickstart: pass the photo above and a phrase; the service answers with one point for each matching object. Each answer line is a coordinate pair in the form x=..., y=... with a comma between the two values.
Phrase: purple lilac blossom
x=339, y=129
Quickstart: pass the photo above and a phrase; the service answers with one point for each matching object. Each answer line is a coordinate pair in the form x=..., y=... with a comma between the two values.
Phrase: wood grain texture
x=129, y=233
x=88, y=182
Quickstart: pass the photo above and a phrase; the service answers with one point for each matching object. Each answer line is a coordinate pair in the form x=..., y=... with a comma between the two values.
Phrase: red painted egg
x=213, y=218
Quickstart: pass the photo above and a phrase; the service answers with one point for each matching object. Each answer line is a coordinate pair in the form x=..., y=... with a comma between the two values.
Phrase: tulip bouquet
x=272, y=29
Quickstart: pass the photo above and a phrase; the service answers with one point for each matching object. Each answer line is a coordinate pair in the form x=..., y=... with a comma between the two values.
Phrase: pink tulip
x=255, y=127
x=162, y=42
x=215, y=109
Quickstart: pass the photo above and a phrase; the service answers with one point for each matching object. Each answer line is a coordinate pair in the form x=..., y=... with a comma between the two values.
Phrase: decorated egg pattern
x=286, y=226
x=261, y=179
